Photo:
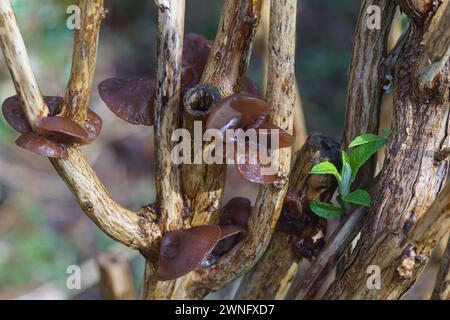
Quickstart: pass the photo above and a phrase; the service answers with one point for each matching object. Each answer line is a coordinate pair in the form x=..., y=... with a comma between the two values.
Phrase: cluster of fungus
x=54, y=132
x=132, y=100
x=185, y=250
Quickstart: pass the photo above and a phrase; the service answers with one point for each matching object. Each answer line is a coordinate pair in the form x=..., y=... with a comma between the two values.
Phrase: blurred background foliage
x=42, y=230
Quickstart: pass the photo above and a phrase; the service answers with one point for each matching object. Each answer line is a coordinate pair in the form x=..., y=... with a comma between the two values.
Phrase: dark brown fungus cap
x=249, y=87
x=196, y=49
x=183, y=250
x=236, y=212
x=237, y=111
x=129, y=99
x=284, y=139
x=42, y=146
x=14, y=115
x=250, y=167
x=62, y=130
x=93, y=125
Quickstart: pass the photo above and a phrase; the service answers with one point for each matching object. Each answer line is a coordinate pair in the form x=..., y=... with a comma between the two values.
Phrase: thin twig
x=167, y=110
x=83, y=60
x=19, y=66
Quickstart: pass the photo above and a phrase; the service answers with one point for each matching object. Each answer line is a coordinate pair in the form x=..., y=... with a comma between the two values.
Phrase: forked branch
x=134, y=230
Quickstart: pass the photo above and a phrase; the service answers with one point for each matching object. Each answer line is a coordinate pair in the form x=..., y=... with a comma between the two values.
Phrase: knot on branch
x=198, y=100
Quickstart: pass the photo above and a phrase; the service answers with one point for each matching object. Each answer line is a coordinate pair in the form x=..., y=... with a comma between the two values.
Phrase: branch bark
x=167, y=111
x=436, y=51
x=409, y=182
x=274, y=273
x=262, y=39
x=202, y=184
x=19, y=65
x=365, y=91
x=281, y=98
x=83, y=60
x=136, y=230
x=442, y=286
x=225, y=70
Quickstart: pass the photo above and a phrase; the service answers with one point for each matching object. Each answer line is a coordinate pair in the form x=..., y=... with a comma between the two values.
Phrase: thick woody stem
x=281, y=98
x=83, y=60
x=262, y=38
x=408, y=184
x=167, y=110
x=116, y=278
x=19, y=66
x=280, y=262
x=436, y=51
x=442, y=286
x=225, y=69
x=231, y=51
x=134, y=230
x=364, y=88
x=202, y=184
x=169, y=200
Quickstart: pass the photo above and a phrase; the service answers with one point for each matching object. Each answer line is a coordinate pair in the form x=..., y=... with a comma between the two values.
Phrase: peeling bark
x=364, y=89
x=409, y=182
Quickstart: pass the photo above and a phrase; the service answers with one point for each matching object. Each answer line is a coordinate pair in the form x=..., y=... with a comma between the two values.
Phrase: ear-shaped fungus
x=236, y=212
x=307, y=230
x=62, y=130
x=14, y=115
x=41, y=145
x=130, y=99
x=52, y=131
x=250, y=166
x=237, y=111
x=183, y=250
x=271, y=132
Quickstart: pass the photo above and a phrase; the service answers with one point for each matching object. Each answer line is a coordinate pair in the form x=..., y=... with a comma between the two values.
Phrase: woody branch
x=134, y=230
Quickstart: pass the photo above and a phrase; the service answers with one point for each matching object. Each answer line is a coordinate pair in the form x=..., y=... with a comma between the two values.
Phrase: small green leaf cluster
x=362, y=148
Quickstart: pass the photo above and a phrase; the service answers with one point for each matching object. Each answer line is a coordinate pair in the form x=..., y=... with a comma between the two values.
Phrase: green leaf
x=344, y=186
x=364, y=139
x=326, y=168
x=362, y=153
x=360, y=197
x=345, y=157
x=325, y=210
